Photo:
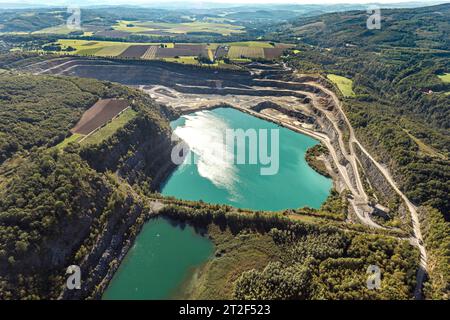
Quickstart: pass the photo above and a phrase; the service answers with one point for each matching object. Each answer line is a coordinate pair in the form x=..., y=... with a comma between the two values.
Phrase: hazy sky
x=270, y=1
x=204, y=3
x=93, y=2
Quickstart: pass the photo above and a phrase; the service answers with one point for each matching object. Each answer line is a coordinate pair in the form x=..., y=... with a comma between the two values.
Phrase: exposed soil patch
x=98, y=115
x=273, y=53
x=174, y=52
x=194, y=49
x=134, y=52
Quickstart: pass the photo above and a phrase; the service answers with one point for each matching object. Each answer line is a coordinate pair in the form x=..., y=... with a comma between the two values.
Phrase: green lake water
x=213, y=180
x=162, y=258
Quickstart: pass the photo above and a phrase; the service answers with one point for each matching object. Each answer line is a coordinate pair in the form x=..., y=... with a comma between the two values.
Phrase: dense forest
x=47, y=210
x=295, y=259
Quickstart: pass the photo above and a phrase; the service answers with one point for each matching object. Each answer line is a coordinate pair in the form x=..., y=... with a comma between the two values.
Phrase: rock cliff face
x=290, y=112
x=66, y=209
x=324, y=125
x=384, y=192
x=109, y=248
x=140, y=153
x=376, y=178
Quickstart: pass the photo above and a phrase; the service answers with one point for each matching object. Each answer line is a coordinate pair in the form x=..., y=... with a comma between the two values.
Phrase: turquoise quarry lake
x=214, y=180
x=165, y=256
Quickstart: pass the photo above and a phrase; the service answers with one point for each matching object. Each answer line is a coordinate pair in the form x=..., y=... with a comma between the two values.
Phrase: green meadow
x=344, y=84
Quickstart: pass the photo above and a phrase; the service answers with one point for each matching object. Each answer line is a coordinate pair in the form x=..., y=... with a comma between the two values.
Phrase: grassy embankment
x=73, y=138
x=235, y=254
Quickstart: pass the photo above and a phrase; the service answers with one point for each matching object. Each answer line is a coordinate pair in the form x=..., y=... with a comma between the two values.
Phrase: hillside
x=51, y=211
x=55, y=209
x=425, y=27
x=397, y=64
x=400, y=108
x=38, y=111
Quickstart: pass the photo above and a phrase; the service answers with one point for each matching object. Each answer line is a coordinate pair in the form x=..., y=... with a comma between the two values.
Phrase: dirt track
x=412, y=209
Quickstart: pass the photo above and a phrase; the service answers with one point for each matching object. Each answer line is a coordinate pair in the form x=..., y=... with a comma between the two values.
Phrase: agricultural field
x=99, y=48
x=110, y=128
x=99, y=122
x=61, y=30
x=176, y=52
x=237, y=52
x=98, y=115
x=167, y=29
x=183, y=60
x=136, y=51
x=101, y=134
x=344, y=84
x=256, y=50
